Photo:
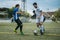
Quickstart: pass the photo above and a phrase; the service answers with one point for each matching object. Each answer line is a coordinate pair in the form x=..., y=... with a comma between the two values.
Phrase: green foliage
x=10, y=12
x=26, y=14
x=57, y=13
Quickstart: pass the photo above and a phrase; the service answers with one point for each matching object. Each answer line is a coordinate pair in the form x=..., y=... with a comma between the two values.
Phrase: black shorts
x=44, y=19
x=18, y=21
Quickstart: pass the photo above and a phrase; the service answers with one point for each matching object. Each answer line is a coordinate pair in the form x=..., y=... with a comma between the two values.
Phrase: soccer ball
x=35, y=32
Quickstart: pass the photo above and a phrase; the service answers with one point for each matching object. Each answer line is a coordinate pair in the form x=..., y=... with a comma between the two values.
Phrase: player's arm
x=19, y=12
x=47, y=15
x=41, y=13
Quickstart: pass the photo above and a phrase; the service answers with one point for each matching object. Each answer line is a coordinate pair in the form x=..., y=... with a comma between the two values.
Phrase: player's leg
x=17, y=26
x=37, y=22
x=41, y=25
x=36, y=30
x=42, y=28
x=21, y=27
x=44, y=21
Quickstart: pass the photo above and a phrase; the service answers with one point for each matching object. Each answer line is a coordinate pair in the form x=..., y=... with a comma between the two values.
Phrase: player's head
x=35, y=5
x=17, y=5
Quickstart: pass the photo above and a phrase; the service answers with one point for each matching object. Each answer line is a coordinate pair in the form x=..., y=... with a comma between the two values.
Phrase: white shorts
x=38, y=20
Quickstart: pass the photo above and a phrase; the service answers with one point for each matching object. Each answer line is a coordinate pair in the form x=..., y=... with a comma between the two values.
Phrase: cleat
x=41, y=32
x=22, y=33
x=15, y=31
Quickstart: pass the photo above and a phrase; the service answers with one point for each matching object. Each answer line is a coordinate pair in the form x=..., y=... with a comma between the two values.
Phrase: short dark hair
x=34, y=3
x=16, y=5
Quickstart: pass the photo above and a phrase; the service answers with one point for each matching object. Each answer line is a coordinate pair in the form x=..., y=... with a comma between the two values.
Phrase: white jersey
x=38, y=17
x=37, y=11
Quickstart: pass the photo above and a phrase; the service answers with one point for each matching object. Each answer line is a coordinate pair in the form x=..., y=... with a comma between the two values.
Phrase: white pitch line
x=27, y=33
x=53, y=34
x=7, y=33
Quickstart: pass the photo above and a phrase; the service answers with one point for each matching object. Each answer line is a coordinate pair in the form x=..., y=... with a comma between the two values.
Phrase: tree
x=57, y=13
x=10, y=12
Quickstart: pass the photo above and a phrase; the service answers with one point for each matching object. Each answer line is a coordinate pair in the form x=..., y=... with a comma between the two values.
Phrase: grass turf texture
x=52, y=32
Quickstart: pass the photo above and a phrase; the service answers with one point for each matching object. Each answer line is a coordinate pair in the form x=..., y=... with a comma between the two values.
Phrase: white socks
x=42, y=28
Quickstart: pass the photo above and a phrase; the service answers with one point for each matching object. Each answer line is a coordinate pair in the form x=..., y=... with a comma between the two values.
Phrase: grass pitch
x=52, y=31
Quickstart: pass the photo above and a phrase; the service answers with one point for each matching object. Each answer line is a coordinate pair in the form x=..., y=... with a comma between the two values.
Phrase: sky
x=44, y=5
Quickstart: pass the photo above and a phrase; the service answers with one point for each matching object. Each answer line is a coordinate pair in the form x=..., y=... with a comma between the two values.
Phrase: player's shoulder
x=38, y=9
x=15, y=9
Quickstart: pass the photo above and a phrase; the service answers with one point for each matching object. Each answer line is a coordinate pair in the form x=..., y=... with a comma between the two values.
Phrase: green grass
x=52, y=32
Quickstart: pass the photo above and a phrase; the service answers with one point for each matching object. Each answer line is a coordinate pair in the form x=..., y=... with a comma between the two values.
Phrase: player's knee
x=37, y=24
x=21, y=24
x=41, y=23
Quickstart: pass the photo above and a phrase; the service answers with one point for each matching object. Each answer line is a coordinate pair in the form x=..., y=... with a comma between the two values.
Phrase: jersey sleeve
x=39, y=10
x=16, y=9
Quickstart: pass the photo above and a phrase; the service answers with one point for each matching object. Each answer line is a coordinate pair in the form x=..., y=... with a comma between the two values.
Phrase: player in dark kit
x=16, y=15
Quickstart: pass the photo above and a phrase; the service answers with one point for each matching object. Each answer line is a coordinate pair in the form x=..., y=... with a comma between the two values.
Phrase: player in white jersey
x=39, y=18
